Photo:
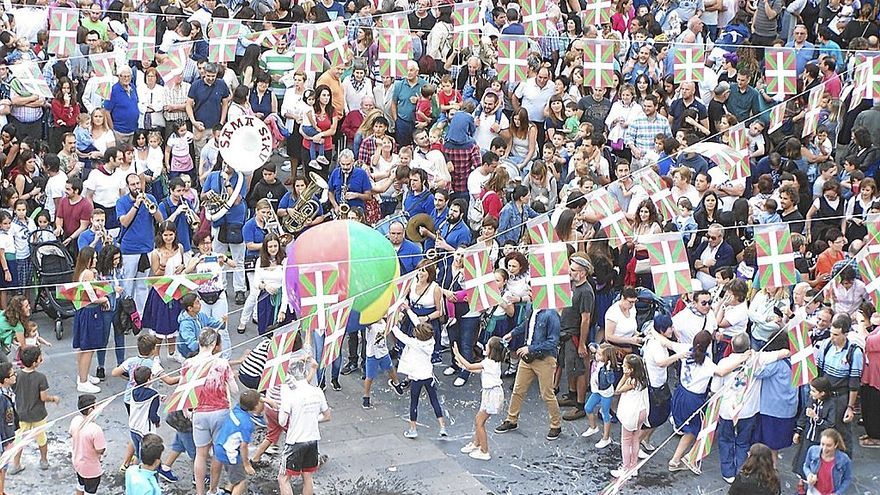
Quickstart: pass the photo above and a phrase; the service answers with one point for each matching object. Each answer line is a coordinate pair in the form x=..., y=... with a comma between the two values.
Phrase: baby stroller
x=53, y=265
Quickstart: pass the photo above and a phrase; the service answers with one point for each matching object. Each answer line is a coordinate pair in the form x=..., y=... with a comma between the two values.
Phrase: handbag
x=643, y=265
x=179, y=421
x=210, y=297
x=230, y=233
x=660, y=396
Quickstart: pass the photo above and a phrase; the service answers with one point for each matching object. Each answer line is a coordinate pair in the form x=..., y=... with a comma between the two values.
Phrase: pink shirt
x=87, y=441
x=832, y=85
x=871, y=370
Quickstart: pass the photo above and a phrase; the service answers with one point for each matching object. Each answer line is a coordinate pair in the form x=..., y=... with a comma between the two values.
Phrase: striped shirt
x=277, y=64
x=833, y=363
x=641, y=133
x=255, y=361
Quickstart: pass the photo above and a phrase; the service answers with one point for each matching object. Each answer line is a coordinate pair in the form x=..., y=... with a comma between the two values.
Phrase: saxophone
x=343, y=203
x=306, y=208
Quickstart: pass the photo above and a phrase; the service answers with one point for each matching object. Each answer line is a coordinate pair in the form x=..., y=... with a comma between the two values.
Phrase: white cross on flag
x=775, y=257
x=141, y=37
x=781, y=71
x=599, y=64
x=688, y=64
x=62, y=32
x=172, y=66
x=308, y=49
x=319, y=291
x=777, y=117
x=811, y=118
x=335, y=42
x=104, y=66
x=535, y=16
x=30, y=77
x=551, y=285
x=669, y=263
x=186, y=393
x=479, y=280
x=395, y=51
x=512, y=63
x=223, y=36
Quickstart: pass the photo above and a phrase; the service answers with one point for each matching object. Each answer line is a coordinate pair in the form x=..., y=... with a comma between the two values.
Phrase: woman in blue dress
x=88, y=323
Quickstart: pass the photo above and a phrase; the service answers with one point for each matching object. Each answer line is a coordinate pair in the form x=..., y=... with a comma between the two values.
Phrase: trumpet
x=151, y=207
x=192, y=218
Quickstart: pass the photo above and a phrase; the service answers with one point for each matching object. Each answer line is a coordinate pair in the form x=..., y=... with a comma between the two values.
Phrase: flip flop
x=870, y=443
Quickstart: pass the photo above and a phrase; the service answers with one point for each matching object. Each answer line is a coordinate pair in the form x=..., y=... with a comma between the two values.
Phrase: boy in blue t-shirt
x=231, y=443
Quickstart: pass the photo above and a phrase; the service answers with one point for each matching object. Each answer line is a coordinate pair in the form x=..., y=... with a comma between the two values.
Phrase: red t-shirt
x=825, y=481
x=322, y=123
x=72, y=215
x=423, y=106
x=446, y=99
x=491, y=204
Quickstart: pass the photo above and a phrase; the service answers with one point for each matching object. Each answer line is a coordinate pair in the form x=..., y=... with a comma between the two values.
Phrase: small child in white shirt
x=177, y=156
x=378, y=360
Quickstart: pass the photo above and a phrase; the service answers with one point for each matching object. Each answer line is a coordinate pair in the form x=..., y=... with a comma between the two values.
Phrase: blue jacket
x=545, y=340
x=723, y=257
x=512, y=222
x=190, y=328
x=841, y=475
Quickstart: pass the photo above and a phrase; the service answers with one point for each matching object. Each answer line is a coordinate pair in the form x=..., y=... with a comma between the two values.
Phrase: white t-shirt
x=300, y=410
x=695, y=377
x=491, y=375
x=55, y=188
x=377, y=347
x=483, y=136
x=720, y=178
x=626, y=326
x=732, y=387
x=105, y=188
x=653, y=352
x=738, y=317
x=688, y=324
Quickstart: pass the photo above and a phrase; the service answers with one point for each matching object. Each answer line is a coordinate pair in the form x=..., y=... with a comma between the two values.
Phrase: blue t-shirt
x=167, y=208
x=409, y=256
x=358, y=182
x=238, y=212
x=139, y=236
x=413, y=204
x=461, y=130
x=85, y=238
x=237, y=428
x=252, y=233
x=123, y=108
x=141, y=482
x=208, y=100
x=402, y=94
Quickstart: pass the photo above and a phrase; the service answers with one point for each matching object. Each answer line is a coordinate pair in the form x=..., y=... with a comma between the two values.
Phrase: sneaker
x=480, y=455
x=240, y=297
x=177, y=357
x=273, y=449
x=459, y=382
x=510, y=371
x=44, y=464
x=590, y=432
x=335, y=384
x=322, y=161
x=506, y=426
x=729, y=481
x=15, y=470
x=398, y=387
x=620, y=472
x=259, y=464
x=601, y=444
x=94, y=380
x=449, y=371
x=322, y=459
x=314, y=165
x=87, y=388
x=575, y=414
x=436, y=359
x=99, y=373
x=286, y=166
x=124, y=467
x=167, y=474
x=470, y=447
x=567, y=400
x=643, y=454
x=366, y=404
x=349, y=368
x=553, y=434
x=411, y=433
x=443, y=432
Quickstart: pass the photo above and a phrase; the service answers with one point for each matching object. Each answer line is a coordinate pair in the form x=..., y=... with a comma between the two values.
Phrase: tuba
x=218, y=205
x=306, y=208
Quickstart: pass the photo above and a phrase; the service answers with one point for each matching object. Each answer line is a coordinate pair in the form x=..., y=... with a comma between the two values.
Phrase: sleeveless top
x=423, y=300
x=827, y=217
x=179, y=259
x=520, y=147
x=261, y=105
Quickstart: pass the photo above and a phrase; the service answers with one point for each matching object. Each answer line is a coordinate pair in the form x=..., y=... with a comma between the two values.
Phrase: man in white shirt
x=56, y=183
x=488, y=125
x=533, y=95
x=431, y=161
x=302, y=407
x=697, y=316
x=476, y=180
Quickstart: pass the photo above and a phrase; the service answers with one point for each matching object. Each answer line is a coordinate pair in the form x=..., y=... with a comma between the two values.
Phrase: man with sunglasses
x=696, y=317
x=712, y=254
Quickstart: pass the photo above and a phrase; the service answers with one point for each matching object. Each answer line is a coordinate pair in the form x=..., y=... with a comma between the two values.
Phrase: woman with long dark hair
x=326, y=123
x=269, y=280
x=65, y=111
x=758, y=475
x=523, y=138
x=87, y=323
x=109, y=269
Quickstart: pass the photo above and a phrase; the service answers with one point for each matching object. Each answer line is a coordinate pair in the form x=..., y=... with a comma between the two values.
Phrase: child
x=31, y=396
x=148, y=355
x=7, y=255
x=309, y=127
x=88, y=444
x=416, y=363
x=424, y=106
x=231, y=442
x=494, y=88
x=7, y=412
x=448, y=98
x=461, y=128
x=769, y=213
x=23, y=226
x=844, y=15
x=177, y=157
x=378, y=360
x=572, y=123
x=827, y=171
x=632, y=411
x=492, y=397
x=143, y=416
x=815, y=418
x=142, y=479
x=22, y=52
x=155, y=167
x=85, y=145
x=30, y=337
x=685, y=222
x=603, y=378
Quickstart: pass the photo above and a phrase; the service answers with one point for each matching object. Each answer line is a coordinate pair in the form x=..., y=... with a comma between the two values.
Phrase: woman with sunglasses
x=213, y=293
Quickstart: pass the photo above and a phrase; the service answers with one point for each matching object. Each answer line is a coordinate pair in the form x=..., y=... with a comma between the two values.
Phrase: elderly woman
x=151, y=102
x=770, y=308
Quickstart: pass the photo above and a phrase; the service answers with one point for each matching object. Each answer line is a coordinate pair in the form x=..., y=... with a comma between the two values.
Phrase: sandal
x=870, y=443
x=676, y=466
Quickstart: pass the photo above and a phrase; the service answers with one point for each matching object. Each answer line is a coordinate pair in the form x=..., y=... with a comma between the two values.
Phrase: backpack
x=850, y=352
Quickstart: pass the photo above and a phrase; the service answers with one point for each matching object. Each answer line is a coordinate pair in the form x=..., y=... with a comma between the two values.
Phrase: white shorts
x=492, y=400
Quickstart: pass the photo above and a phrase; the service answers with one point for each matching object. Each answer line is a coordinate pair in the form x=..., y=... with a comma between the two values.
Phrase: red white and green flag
x=466, y=25
x=703, y=444
x=535, y=17
x=597, y=13
x=811, y=118
x=104, y=66
x=395, y=51
x=399, y=293
x=612, y=220
x=777, y=117
x=337, y=315
x=660, y=195
x=512, y=64
x=335, y=42
x=869, y=266
x=738, y=138
x=599, y=64
x=172, y=66
x=688, y=64
x=775, y=256
x=81, y=294
x=141, y=37
x=308, y=48
x=551, y=285
x=186, y=393
x=319, y=288
x=803, y=361
x=21, y=441
x=332, y=347
x=176, y=286
x=781, y=71
x=614, y=488
x=734, y=163
x=63, y=24
x=394, y=21
x=278, y=358
x=744, y=381
x=223, y=38
x=479, y=280
x=669, y=264
x=540, y=230
x=29, y=76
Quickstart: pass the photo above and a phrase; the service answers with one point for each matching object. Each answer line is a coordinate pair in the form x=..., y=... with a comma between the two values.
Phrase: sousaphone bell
x=420, y=220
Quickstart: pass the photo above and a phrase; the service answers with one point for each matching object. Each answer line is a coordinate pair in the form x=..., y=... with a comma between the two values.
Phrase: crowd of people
x=127, y=183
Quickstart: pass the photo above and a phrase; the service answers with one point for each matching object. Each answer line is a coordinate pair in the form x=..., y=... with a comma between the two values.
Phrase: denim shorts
x=377, y=365
x=183, y=442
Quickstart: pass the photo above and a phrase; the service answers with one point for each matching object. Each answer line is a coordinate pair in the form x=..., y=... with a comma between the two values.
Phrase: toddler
x=685, y=222
x=22, y=52
x=632, y=412
x=310, y=125
x=769, y=214
x=448, y=98
x=572, y=122
x=604, y=376
x=425, y=106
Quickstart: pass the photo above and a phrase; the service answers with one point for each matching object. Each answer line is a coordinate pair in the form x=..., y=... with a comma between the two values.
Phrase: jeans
x=733, y=444
x=415, y=391
x=118, y=340
x=464, y=333
x=604, y=403
x=404, y=132
x=336, y=367
x=357, y=346
x=237, y=251
x=314, y=148
x=137, y=289
x=356, y=143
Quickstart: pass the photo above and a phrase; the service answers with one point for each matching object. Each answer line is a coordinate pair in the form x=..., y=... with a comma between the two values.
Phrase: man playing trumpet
x=96, y=235
x=136, y=238
x=178, y=210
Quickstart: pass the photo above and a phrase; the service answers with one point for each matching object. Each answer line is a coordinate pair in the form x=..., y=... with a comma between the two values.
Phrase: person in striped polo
x=277, y=63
